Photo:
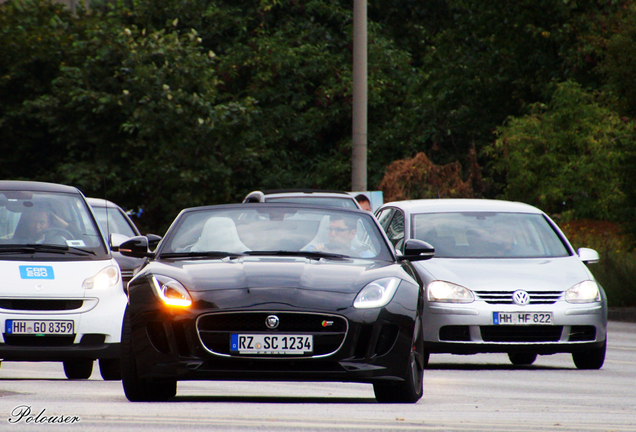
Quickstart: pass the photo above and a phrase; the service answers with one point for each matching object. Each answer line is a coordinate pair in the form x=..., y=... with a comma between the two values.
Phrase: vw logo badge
x=272, y=321
x=520, y=297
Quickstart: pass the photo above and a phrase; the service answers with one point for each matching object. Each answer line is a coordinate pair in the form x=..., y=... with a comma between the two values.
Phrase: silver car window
x=488, y=235
x=113, y=222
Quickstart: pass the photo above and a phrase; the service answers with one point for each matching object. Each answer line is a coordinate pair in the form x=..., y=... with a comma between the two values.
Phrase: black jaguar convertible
x=274, y=292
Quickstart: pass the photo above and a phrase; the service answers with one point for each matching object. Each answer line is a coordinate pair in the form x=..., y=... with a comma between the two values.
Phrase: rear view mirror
x=588, y=256
x=153, y=240
x=136, y=247
x=115, y=240
x=417, y=250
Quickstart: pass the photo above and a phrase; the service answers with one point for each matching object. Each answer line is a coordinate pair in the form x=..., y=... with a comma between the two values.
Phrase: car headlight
x=584, y=292
x=106, y=278
x=446, y=292
x=171, y=292
x=376, y=294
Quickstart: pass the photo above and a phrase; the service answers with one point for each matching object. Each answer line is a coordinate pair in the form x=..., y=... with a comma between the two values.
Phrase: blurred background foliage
x=160, y=105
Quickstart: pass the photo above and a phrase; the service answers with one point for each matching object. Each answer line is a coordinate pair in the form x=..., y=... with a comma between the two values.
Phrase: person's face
x=340, y=234
x=366, y=205
x=39, y=222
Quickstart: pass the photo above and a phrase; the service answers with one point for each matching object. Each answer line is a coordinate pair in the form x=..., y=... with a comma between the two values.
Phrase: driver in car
x=36, y=223
x=342, y=231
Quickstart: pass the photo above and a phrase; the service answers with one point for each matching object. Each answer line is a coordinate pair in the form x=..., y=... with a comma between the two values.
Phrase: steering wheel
x=56, y=235
x=337, y=248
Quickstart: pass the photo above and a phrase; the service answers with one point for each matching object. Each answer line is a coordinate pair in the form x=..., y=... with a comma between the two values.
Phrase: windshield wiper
x=306, y=254
x=208, y=254
x=47, y=248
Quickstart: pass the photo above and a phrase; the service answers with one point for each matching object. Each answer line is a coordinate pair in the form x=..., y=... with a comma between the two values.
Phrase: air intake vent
x=40, y=305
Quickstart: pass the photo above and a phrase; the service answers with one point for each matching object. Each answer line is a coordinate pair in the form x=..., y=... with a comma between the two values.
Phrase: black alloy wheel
x=411, y=389
x=110, y=369
x=522, y=359
x=78, y=368
x=140, y=389
x=591, y=359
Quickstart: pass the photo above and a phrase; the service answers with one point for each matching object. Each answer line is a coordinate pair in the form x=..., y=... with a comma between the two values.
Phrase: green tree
x=34, y=39
x=565, y=156
x=139, y=117
x=478, y=62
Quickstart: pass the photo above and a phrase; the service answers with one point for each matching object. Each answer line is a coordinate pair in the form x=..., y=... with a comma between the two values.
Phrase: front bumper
x=97, y=330
x=374, y=347
x=469, y=329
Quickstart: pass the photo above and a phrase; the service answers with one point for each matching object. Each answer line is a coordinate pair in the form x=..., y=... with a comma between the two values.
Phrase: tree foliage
x=161, y=105
x=564, y=157
x=419, y=178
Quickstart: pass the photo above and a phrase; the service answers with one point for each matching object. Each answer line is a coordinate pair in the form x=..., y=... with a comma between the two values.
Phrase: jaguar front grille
x=328, y=331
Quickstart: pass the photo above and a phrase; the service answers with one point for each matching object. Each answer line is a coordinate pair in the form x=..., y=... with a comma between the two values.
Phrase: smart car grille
x=38, y=341
x=518, y=333
x=329, y=331
x=505, y=297
x=40, y=305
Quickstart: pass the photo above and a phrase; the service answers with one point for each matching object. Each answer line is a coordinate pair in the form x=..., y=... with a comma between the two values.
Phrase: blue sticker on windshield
x=36, y=272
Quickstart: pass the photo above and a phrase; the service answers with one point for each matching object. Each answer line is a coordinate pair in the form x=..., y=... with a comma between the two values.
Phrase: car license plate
x=522, y=318
x=271, y=344
x=37, y=327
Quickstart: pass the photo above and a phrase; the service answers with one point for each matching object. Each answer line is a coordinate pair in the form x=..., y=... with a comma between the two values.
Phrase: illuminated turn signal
x=171, y=291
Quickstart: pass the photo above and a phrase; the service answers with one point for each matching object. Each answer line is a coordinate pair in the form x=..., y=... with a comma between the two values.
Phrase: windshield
x=46, y=218
x=280, y=230
x=345, y=202
x=114, y=222
x=488, y=235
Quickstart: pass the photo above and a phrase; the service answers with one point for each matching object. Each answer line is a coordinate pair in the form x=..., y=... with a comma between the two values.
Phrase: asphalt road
x=462, y=393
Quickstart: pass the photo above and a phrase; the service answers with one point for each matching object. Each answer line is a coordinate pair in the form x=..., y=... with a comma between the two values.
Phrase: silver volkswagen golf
x=504, y=279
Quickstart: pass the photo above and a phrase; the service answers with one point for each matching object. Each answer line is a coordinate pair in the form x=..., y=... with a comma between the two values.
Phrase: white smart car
x=61, y=294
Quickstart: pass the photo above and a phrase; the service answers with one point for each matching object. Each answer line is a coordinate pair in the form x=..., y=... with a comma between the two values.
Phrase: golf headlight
x=106, y=278
x=446, y=292
x=376, y=294
x=171, y=292
x=584, y=292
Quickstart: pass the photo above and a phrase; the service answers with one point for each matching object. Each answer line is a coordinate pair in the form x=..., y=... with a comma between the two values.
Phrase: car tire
x=411, y=389
x=426, y=358
x=139, y=389
x=522, y=359
x=110, y=369
x=78, y=368
x=591, y=359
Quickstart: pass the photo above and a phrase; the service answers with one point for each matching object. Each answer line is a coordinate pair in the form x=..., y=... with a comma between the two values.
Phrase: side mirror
x=114, y=240
x=136, y=247
x=588, y=256
x=417, y=250
x=153, y=240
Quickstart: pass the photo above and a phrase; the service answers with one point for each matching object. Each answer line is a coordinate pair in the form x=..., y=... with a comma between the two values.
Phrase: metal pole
x=359, y=138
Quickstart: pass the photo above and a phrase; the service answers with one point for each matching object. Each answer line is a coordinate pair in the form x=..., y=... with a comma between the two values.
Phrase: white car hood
x=48, y=279
x=530, y=274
